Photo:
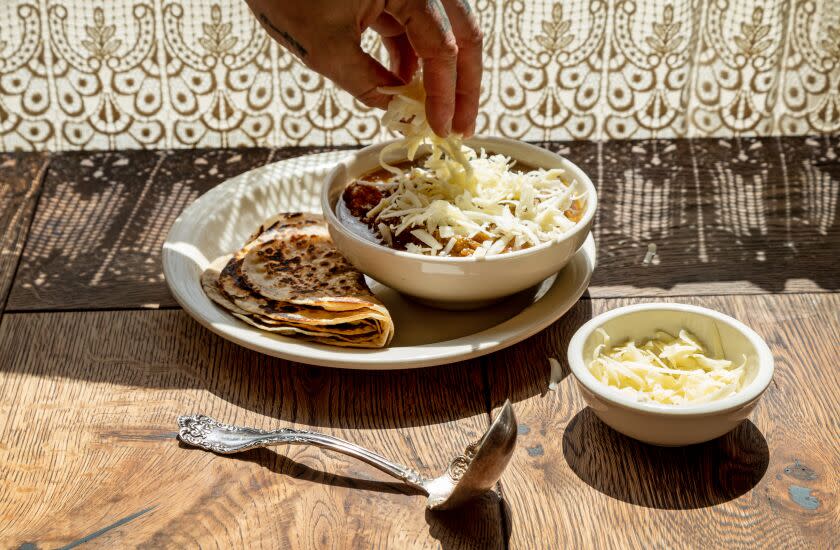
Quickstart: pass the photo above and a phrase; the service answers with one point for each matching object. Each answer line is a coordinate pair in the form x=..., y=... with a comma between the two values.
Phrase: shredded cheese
x=666, y=369
x=458, y=192
x=406, y=114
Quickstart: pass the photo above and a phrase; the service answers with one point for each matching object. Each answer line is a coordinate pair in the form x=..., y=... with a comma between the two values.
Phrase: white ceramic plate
x=221, y=219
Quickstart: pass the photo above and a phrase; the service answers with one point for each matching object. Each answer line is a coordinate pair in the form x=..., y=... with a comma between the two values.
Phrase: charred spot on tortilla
x=210, y=284
x=280, y=221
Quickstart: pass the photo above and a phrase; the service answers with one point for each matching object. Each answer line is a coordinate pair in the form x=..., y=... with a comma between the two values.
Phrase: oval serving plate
x=219, y=221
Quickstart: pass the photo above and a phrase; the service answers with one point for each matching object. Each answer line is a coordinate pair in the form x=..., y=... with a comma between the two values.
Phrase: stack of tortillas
x=290, y=279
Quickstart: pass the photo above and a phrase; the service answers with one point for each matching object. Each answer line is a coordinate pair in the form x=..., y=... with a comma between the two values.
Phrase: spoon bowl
x=479, y=468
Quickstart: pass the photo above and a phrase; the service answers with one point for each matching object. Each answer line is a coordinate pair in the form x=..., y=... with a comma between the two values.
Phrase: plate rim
x=531, y=320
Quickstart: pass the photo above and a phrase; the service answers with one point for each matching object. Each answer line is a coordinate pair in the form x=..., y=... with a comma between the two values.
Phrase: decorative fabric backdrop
x=82, y=74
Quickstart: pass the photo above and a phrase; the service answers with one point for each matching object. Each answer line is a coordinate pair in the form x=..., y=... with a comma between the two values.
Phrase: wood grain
x=20, y=182
x=89, y=402
x=728, y=216
x=573, y=482
x=766, y=205
x=88, y=399
x=97, y=235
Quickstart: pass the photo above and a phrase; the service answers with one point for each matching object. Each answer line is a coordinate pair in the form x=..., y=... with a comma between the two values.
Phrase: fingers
x=357, y=72
x=401, y=56
x=469, y=65
x=403, y=60
x=430, y=33
x=441, y=33
x=340, y=58
x=386, y=25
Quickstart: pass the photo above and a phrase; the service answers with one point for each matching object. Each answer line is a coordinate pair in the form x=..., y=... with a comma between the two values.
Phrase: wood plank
x=727, y=216
x=573, y=482
x=20, y=182
x=97, y=234
x=89, y=402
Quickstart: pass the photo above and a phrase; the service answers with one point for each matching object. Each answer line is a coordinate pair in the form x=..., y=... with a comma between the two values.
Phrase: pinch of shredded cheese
x=406, y=114
x=666, y=369
x=458, y=192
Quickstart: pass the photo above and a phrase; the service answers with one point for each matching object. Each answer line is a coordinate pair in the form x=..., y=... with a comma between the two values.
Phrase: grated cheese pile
x=667, y=370
x=460, y=193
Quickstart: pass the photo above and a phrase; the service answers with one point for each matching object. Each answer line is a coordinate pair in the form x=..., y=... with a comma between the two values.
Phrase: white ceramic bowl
x=456, y=283
x=670, y=425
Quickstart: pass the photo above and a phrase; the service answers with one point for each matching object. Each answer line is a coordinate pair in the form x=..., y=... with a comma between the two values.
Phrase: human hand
x=442, y=34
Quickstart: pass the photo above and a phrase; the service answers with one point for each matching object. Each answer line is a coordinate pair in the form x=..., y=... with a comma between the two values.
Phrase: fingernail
x=470, y=131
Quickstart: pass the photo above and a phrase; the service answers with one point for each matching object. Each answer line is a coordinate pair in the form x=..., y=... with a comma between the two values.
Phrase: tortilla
x=361, y=331
x=298, y=262
x=210, y=284
x=290, y=279
x=296, y=219
x=237, y=291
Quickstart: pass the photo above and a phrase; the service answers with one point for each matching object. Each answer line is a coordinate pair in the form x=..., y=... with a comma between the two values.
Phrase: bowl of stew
x=469, y=271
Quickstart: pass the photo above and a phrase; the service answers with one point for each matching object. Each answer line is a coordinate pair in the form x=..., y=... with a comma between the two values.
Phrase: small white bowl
x=671, y=425
x=447, y=282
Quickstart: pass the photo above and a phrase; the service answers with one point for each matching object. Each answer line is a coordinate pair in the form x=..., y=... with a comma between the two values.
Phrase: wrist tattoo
x=290, y=40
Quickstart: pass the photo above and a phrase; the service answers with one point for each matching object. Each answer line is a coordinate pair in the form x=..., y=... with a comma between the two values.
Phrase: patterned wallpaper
x=82, y=74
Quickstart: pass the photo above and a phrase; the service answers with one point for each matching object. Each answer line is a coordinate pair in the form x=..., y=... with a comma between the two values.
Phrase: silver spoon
x=469, y=475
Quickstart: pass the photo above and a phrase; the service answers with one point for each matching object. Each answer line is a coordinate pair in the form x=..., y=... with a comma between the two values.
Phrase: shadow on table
x=323, y=397
x=281, y=464
x=449, y=526
x=766, y=205
x=662, y=477
x=523, y=371
x=366, y=399
x=170, y=350
x=477, y=520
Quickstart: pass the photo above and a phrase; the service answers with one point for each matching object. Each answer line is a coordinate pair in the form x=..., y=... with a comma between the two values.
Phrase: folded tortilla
x=290, y=279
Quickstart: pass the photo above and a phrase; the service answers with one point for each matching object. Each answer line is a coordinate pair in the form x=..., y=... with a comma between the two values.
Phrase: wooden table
x=97, y=361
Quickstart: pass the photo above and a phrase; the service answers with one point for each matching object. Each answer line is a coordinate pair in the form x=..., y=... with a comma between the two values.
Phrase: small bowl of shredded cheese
x=670, y=374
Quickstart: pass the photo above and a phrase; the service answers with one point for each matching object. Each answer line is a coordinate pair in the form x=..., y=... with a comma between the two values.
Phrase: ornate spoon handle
x=209, y=434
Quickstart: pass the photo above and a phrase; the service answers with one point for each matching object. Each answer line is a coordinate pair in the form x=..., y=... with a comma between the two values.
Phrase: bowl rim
x=577, y=364
x=482, y=141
